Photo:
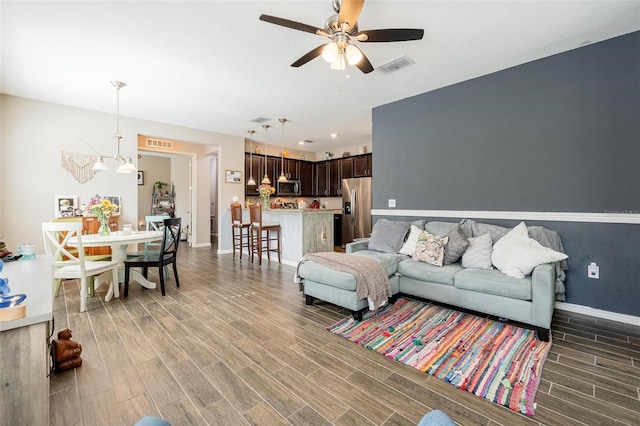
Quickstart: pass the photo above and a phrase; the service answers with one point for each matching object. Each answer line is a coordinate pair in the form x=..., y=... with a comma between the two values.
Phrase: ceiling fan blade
x=349, y=13
x=393, y=34
x=290, y=24
x=309, y=56
x=364, y=65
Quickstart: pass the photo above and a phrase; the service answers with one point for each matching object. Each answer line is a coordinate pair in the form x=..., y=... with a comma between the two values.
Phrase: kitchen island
x=303, y=231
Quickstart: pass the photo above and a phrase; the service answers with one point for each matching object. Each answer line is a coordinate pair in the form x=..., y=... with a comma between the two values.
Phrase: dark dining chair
x=167, y=255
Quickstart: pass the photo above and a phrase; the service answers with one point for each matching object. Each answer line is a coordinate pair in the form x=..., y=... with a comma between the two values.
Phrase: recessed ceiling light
x=334, y=135
x=301, y=143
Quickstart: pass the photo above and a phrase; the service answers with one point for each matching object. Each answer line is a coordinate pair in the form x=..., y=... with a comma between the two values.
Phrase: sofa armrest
x=359, y=245
x=543, y=293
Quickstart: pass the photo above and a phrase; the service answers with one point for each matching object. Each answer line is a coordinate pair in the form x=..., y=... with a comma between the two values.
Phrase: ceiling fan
x=342, y=29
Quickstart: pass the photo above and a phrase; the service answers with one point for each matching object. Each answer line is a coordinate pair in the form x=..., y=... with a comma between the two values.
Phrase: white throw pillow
x=478, y=254
x=409, y=246
x=516, y=255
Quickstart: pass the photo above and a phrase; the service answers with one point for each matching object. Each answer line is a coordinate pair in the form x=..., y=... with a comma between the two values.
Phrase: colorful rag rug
x=491, y=359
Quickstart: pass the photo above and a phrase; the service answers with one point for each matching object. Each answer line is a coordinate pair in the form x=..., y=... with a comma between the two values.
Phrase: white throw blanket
x=372, y=281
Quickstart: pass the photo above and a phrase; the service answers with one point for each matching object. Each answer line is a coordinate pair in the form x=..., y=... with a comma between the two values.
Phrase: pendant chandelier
x=265, y=179
x=126, y=164
x=283, y=177
x=251, y=181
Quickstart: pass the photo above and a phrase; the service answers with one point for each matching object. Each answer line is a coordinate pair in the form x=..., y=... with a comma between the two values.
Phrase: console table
x=24, y=398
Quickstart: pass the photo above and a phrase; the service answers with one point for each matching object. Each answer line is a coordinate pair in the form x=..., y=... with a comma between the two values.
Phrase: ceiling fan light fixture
x=339, y=64
x=331, y=52
x=354, y=54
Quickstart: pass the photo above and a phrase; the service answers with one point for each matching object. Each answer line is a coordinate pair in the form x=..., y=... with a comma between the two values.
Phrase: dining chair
x=72, y=264
x=153, y=223
x=239, y=230
x=167, y=255
x=262, y=234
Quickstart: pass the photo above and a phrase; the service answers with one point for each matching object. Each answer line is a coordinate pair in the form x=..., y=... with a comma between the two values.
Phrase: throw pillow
x=409, y=246
x=516, y=255
x=387, y=236
x=478, y=254
x=430, y=248
x=456, y=247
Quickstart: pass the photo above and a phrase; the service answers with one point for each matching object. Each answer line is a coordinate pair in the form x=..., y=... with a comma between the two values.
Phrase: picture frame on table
x=115, y=199
x=233, y=176
x=140, y=177
x=65, y=205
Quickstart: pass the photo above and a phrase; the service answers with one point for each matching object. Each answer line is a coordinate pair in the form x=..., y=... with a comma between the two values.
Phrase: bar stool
x=262, y=234
x=239, y=230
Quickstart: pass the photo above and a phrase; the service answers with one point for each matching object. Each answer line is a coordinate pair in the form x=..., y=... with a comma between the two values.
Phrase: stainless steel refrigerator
x=356, y=209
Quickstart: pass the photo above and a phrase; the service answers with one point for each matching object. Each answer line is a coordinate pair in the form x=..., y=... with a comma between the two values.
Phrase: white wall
x=33, y=136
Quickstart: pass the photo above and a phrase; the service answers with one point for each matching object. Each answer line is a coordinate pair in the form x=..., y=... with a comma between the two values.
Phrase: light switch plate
x=392, y=202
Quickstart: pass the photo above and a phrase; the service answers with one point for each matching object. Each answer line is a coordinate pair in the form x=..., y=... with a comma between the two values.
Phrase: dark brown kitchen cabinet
x=306, y=178
x=291, y=168
x=335, y=178
x=346, y=168
x=258, y=170
x=362, y=165
x=322, y=179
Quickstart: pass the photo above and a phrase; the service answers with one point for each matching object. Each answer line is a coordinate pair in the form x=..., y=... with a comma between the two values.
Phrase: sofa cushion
x=516, y=254
x=471, y=228
x=387, y=236
x=388, y=260
x=409, y=246
x=430, y=248
x=424, y=272
x=478, y=254
x=456, y=246
x=440, y=228
x=493, y=282
x=323, y=274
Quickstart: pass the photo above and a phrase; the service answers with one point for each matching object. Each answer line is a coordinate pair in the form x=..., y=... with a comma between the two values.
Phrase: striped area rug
x=491, y=359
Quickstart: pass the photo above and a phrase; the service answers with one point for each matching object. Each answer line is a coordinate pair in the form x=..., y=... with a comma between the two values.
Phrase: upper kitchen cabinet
x=362, y=165
x=306, y=177
x=346, y=167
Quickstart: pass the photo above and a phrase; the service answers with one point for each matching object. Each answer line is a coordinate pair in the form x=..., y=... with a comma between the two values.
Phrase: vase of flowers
x=102, y=209
x=265, y=190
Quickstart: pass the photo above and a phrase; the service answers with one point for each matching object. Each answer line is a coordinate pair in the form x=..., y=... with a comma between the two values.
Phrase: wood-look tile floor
x=236, y=345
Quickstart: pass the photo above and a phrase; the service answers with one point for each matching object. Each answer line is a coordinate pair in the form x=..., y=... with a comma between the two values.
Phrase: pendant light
x=251, y=181
x=283, y=177
x=265, y=179
x=126, y=164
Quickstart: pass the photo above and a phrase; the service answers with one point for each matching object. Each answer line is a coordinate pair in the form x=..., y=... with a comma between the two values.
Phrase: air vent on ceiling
x=395, y=65
x=159, y=143
x=259, y=120
x=307, y=141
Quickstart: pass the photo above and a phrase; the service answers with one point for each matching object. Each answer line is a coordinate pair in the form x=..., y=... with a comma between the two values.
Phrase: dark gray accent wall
x=560, y=134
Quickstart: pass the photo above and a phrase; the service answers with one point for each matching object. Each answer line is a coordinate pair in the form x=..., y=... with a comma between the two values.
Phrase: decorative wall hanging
x=79, y=165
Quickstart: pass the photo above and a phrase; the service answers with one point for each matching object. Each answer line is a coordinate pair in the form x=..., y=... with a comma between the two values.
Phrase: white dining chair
x=71, y=264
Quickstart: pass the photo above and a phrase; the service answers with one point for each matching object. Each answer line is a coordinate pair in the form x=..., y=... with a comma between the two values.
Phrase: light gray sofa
x=528, y=300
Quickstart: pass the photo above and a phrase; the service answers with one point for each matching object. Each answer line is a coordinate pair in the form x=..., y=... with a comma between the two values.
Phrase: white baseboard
x=201, y=245
x=598, y=313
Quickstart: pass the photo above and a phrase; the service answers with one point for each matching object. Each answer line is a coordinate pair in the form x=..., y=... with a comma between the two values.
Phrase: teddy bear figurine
x=66, y=352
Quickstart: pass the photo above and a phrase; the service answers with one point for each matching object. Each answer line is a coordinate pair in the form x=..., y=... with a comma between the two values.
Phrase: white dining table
x=118, y=243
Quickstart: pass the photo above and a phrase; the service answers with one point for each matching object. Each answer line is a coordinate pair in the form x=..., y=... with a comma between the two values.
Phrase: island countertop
x=34, y=278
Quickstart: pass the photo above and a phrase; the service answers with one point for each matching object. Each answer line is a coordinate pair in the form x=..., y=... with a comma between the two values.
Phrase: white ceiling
x=213, y=65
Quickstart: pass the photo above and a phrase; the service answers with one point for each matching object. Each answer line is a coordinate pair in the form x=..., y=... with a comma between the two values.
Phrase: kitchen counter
x=23, y=345
x=303, y=231
x=34, y=278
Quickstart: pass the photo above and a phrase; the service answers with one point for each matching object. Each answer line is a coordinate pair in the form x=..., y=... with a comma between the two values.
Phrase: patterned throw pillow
x=430, y=248
x=478, y=254
x=457, y=246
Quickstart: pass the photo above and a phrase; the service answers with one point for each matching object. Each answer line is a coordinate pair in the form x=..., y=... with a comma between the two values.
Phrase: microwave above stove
x=290, y=188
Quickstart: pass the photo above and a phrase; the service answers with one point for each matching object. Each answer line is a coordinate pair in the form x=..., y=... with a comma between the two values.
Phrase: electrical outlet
x=593, y=271
x=392, y=202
